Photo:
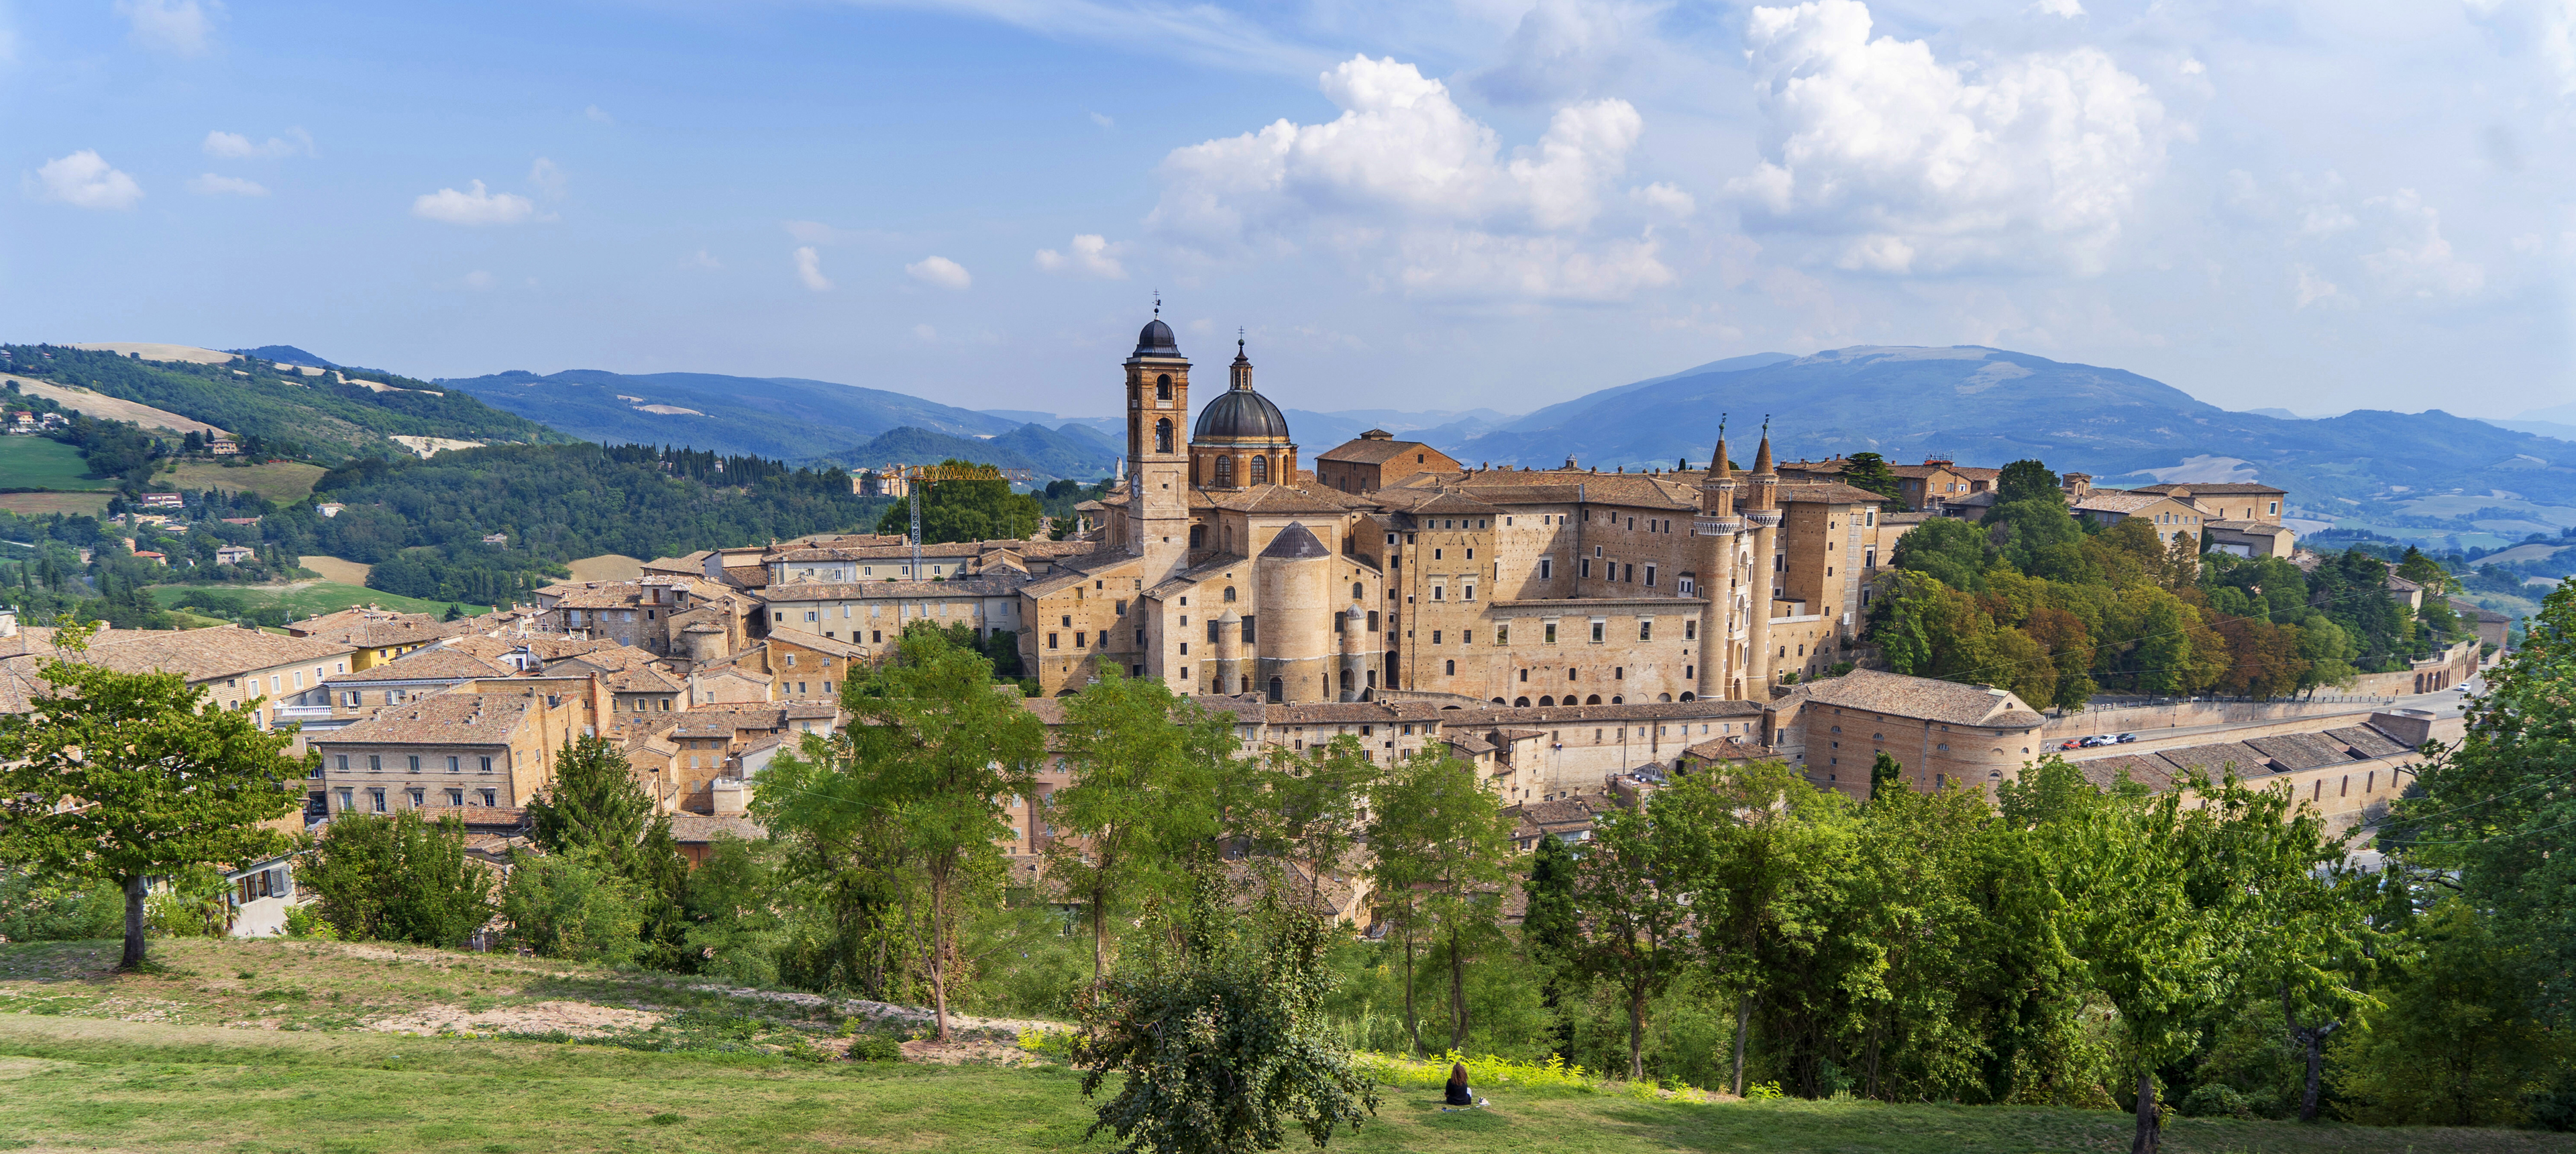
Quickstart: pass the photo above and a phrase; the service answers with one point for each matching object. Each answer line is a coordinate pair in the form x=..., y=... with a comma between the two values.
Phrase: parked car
x=2125, y=738
x=2097, y=741
x=2071, y=743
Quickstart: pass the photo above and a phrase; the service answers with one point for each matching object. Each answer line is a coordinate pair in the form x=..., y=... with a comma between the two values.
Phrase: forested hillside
x=326, y=418
x=422, y=522
x=784, y=417
x=1069, y=453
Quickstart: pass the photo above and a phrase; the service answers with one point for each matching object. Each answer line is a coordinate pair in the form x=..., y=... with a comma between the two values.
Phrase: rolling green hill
x=332, y=418
x=1069, y=453
x=783, y=417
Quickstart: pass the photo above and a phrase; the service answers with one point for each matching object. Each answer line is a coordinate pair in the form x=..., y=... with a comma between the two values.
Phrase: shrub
x=34, y=909
x=875, y=1048
x=2216, y=1100
x=562, y=908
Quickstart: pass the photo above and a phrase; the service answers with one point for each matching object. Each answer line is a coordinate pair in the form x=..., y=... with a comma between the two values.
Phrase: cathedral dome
x=1241, y=415
x=1156, y=340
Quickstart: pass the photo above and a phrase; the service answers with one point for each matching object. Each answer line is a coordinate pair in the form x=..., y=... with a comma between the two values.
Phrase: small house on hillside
x=233, y=555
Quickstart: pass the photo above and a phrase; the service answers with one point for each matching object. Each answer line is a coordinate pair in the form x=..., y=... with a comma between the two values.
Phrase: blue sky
x=1500, y=203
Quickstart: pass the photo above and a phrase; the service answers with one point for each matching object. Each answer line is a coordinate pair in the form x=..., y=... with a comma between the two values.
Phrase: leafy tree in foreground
x=394, y=877
x=935, y=750
x=132, y=776
x=1220, y=1031
x=1635, y=914
x=1145, y=764
x=596, y=810
x=1443, y=850
x=568, y=907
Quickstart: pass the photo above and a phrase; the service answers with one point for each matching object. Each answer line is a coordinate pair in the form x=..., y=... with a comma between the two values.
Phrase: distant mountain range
x=789, y=418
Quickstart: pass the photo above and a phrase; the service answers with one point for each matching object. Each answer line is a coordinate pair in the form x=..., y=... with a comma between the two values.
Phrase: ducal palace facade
x=1227, y=564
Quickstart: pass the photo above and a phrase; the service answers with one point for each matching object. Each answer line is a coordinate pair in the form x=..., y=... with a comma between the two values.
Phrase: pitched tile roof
x=2207, y=762
x=1828, y=492
x=2301, y=750
x=206, y=654
x=2368, y=742
x=446, y=719
x=995, y=584
x=2152, y=772
x=1923, y=698
x=817, y=642
x=434, y=664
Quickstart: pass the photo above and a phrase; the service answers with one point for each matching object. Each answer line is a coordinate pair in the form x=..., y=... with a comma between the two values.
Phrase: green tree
x=572, y=908
x=1219, y=1029
x=933, y=747
x=1142, y=807
x=1442, y=850
x=2457, y=1044
x=1869, y=471
x=1947, y=549
x=734, y=924
x=128, y=777
x=597, y=810
x=1312, y=806
x=1552, y=930
x=965, y=511
x=1885, y=775
x=394, y=877
x=2028, y=480
x=1631, y=886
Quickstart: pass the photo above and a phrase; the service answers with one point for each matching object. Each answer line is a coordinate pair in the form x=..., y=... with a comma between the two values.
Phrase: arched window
x=1224, y=472
x=1520, y=702
x=1229, y=594
x=1689, y=696
x=1163, y=435
x=1346, y=681
x=1618, y=701
x=1198, y=536
x=1498, y=701
x=1356, y=593
x=1451, y=670
x=1663, y=697
x=1547, y=701
x=1163, y=387
x=1595, y=699
x=1278, y=691
x=1261, y=470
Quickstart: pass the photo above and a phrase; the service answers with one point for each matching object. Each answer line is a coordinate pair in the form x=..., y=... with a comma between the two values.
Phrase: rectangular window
x=415, y=763
x=455, y=765
x=1690, y=629
x=1247, y=630
x=1583, y=567
x=1471, y=593
x=487, y=764
x=1646, y=630
x=1079, y=638
x=1439, y=592
x=345, y=803
x=456, y=797
x=1599, y=628
x=1550, y=637
x=1050, y=641
x=1546, y=568
x=375, y=764
x=1650, y=576
x=1502, y=634
x=344, y=763
x=1435, y=637
x=376, y=798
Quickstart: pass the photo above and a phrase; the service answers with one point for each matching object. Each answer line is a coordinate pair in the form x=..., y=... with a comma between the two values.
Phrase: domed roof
x=1156, y=340
x=1243, y=415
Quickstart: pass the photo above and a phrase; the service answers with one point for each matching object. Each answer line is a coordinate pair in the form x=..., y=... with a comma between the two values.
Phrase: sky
x=2315, y=205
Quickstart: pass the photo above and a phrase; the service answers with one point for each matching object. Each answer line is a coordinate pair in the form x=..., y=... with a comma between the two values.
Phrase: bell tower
x=1158, y=496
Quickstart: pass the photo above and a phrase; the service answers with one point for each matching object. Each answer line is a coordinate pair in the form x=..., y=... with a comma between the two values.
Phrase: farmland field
x=284, y=482
x=39, y=504
x=40, y=463
x=311, y=599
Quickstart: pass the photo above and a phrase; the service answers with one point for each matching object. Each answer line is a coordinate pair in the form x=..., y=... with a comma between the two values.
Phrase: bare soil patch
x=579, y=1019
x=151, y=351
x=335, y=569
x=959, y=1053
x=110, y=408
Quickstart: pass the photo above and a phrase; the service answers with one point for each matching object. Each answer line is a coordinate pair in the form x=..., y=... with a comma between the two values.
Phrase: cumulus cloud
x=548, y=178
x=480, y=281
x=1089, y=255
x=701, y=260
x=940, y=272
x=1104, y=120
x=84, y=180
x=211, y=184
x=2418, y=262
x=1405, y=175
x=1564, y=48
x=235, y=146
x=2066, y=8
x=1917, y=164
x=2311, y=287
x=179, y=27
x=474, y=207
x=809, y=269
x=1665, y=199
x=599, y=114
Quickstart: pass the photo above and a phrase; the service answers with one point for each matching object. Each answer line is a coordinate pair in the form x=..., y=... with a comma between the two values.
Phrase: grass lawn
x=315, y=598
x=42, y=463
x=284, y=482
x=249, y=1047
x=39, y=504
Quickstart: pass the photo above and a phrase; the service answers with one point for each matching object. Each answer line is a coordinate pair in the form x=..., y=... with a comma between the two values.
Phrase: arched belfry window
x=1224, y=472
x=1163, y=387
x=1356, y=593
x=1163, y=436
x=1229, y=594
x=1261, y=470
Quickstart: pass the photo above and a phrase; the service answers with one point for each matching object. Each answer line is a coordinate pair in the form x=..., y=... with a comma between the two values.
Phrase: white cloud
x=2325, y=220
x=2066, y=8
x=599, y=114
x=925, y=332
x=1404, y=180
x=83, y=180
x=702, y=259
x=1104, y=120
x=479, y=280
x=1665, y=199
x=1566, y=48
x=476, y=207
x=235, y=146
x=809, y=269
x=1090, y=255
x=2036, y=154
x=179, y=27
x=2418, y=262
x=548, y=178
x=2313, y=288
x=213, y=185
x=940, y=272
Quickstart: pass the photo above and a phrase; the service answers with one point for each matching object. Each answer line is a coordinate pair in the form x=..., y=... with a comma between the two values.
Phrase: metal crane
x=916, y=477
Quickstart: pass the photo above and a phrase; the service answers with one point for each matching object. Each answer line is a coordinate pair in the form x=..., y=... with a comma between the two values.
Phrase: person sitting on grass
x=1458, y=1094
